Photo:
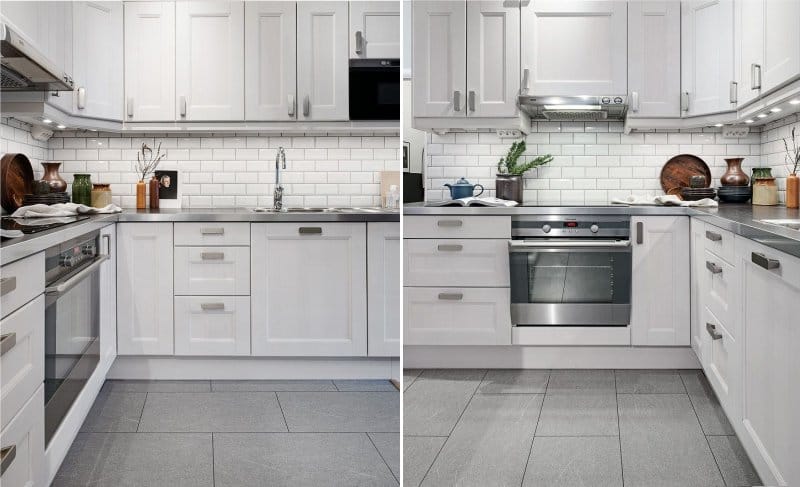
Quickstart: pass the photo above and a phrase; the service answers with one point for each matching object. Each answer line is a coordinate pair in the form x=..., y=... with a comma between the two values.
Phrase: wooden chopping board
x=388, y=178
x=677, y=171
x=16, y=175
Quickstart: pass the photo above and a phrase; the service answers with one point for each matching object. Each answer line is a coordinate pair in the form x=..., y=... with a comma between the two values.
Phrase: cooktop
x=35, y=225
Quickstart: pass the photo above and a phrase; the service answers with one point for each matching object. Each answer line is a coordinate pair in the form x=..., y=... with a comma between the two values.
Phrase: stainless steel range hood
x=24, y=68
x=574, y=108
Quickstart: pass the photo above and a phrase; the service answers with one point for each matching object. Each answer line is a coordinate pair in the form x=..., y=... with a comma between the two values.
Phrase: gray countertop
x=14, y=249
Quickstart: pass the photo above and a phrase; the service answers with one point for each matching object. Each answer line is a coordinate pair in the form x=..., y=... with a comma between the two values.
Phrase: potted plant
x=792, y=164
x=509, y=172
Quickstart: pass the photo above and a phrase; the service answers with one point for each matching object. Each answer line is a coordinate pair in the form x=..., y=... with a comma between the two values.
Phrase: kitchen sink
x=792, y=224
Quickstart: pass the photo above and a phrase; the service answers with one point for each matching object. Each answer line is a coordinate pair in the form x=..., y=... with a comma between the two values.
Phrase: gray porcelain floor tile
x=115, y=412
x=298, y=459
x=574, y=462
x=663, y=444
x=433, y=404
x=418, y=455
x=271, y=385
x=212, y=412
x=319, y=412
x=137, y=460
x=709, y=410
x=364, y=385
x=576, y=414
x=409, y=376
x=649, y=382
x=570, y=381
x=514, y=381
x=733, y=461
x=388, y=445
x=157, y=386
x=490, y=443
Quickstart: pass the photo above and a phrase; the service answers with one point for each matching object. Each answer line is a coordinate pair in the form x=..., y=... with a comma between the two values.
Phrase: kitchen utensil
x=16, y=176
x=734, y=176
x=678, y=171
x=463, y=189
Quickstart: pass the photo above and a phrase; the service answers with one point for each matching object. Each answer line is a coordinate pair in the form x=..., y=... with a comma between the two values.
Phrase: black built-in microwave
x=375, y=89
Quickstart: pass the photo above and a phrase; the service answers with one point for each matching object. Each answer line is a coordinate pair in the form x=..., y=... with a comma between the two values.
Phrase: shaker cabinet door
x=374, y=30
x=383, y=289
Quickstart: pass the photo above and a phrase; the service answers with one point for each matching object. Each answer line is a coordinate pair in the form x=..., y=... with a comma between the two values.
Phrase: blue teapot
x=463, y=189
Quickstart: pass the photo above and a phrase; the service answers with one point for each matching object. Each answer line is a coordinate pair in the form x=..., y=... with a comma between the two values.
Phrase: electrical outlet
x=509, y=133
x=735, y=131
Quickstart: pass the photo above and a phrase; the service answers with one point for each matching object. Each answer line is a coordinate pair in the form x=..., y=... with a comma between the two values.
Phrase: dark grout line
x=213, y=461
x=425, y=436
x=705, y=437
x=619, y=431
x=535, y=428
x=144, y=405
x=252, y=432
x=381, y=455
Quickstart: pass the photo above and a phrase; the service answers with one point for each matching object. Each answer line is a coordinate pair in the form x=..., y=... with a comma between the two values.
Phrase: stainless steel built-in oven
x=570, y=271
x=72, y=323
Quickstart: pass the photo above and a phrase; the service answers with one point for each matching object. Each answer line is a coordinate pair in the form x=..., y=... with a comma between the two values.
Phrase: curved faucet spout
x=280, y=163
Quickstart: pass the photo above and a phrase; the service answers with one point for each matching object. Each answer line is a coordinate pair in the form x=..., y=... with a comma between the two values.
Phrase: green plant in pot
x=510, y=170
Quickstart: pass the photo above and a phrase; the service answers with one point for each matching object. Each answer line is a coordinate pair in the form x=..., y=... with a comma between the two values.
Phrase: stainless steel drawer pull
x=765, y=262
x=713, y=236
x=212, y=255
x=359, y=42
x=639, y=233
x=7, y=456
x=714, y=268
x=451, y=296
x=212, y=231
x=7, y=284
x=212, y=306
x=457, y=101
x=310, y=230
x=450, y=247
x=712, y=330
x=450, y=223
x=7, y=342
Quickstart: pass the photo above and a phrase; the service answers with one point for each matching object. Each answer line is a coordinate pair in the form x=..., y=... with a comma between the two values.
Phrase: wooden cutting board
x=16, y=176
x=388, y=178
x=677, y=171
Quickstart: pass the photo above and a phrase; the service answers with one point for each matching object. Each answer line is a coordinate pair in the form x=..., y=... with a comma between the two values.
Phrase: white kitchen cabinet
x=309, y=289
x=383, y=289
x=144, y=289
x=439, y=58
x=97, y=59
x=25, y=434
x=591, y=54
x=697, y=248
x=771, y=426
x=22, y=280
x=149, y=61
x=212, y=271
x=749, y=22
x=660, y=282
x=374, y=30
x=322, y=67
x=654, y=59
x=59, y=47
x=707, y=57
x=270, y=78
x=722, y=363
x=456, y=262
x=209, y=53
x=108, y=295
x=212, y=325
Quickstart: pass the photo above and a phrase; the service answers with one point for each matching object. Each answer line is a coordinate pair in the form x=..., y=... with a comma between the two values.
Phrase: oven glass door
x=571, y=286
x=374, y=90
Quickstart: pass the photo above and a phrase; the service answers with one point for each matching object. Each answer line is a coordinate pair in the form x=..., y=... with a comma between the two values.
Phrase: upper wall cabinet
x=708, y=80
x=374, y=30
x=270, y=81
x=209, y=75
x=97, y=58
x=322, y=69
x=149, y=61
x=654, y=58
x=575, y=47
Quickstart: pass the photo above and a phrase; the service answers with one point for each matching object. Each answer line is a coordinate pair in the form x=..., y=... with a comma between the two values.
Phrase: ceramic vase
x=509, y=187
x=141, y=195
x=53, y=178
x=734, y=176
x=792, y=186
x=154, y=186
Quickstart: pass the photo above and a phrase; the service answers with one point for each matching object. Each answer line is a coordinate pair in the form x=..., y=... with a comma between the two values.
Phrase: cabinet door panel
x=322, y=68
x=210, y=60
x=383, y=289
x=209, y=271
x=379, y=25
x=781, y=42
x=493, y=51
x=271, y=69
x=26, y=432
x=749, y=18
x=213, y=325
x=440, y=59
x=149, y=61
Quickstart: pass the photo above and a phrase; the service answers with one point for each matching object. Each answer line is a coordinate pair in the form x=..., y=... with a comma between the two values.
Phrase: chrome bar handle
x=712, y=330
x=212, y=255
x=755, y=74
x=310, y=230
x=451, y=296
x=714, y=268
x=7, y=284
x=713, y=236
x=471, y=101
x=291, y=104
x=7, y=456
x=734, y=94
x=107, y=240
x=7, y=342
x=73, y=281
x=183, y=106
x=81, y=98
x=635, y=101
x=129, y=108
x=449, y=223
x=359, y=42
x=523, y=84
x=212, y=231
x=450, y=247
x=685, y=101
x=639, y=233
x=762, y=260
x=457, y=101
x=567, y=244
x=306, y=106
x=212, y=306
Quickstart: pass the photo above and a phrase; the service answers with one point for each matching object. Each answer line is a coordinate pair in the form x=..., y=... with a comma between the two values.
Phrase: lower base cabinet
x=22, y=444
x=383, y=289
x=212, y=325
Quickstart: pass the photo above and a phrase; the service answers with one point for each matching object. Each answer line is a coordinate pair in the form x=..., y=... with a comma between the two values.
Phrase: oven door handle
x=62, y=287
x=523, y=245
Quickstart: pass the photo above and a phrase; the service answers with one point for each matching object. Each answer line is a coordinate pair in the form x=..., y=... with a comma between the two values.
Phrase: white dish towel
x=664, y=200
x=62, y=209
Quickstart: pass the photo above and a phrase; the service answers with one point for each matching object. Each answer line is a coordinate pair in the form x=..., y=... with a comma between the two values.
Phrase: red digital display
x=570, y=224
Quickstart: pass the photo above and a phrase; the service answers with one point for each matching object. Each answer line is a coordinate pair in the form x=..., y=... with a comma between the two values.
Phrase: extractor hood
x=574, y=108
x=24, y=68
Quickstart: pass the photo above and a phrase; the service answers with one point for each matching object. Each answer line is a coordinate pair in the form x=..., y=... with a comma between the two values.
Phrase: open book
x=473, y=201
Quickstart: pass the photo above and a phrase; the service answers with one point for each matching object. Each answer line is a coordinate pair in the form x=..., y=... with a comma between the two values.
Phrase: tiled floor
x=562, y=428
x=238, y=433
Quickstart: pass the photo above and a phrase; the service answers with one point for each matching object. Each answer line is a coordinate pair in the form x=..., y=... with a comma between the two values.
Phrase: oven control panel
x=588, y=226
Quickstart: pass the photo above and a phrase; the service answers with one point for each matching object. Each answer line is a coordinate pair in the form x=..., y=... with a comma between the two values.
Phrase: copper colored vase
x=53, y=178
x=734, y=176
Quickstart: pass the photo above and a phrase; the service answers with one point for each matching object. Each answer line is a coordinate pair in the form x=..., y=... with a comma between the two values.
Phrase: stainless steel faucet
x=280, y=160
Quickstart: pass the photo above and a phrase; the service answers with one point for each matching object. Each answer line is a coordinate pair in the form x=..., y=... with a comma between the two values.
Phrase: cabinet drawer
x=450, y=262
x=719, y=290
x=212, y=233
x=22, y=281
x=25, y=434
x=720, y=242
x=456, y=316
x=22, y=359
x=213, y=325
x=416, y=226
x=720, y=359
x=212, y=270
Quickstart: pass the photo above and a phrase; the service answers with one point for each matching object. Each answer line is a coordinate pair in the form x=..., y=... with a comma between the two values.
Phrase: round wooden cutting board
x=677, y=171
x=16, y=176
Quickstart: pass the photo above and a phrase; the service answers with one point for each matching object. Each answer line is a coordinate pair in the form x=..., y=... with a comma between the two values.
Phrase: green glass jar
x=762, y=172
x=82, y=189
